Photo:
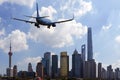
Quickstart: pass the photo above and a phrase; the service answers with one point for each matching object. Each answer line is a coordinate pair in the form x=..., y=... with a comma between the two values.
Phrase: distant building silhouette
x=117, y=74
x=76, y=65
x=54, y=66
x=110, y=74
x=99, y=70
x=64, y=64
x=15, y=71
x=30, y=67
x=104, y=74
x=89, y=45
x=40, y=70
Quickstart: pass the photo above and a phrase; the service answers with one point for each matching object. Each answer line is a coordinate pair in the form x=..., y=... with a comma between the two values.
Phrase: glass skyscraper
x=54, y=66
x=48, y=63
x=76, y=64
x=89, y=45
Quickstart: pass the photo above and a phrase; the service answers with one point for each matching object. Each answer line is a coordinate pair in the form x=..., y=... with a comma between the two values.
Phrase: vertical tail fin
x=37, y=9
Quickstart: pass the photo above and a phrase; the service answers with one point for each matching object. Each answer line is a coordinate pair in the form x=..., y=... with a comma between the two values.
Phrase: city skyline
x=29, y=43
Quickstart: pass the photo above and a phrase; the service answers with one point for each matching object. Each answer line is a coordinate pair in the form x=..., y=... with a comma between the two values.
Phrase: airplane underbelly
x=44, y=22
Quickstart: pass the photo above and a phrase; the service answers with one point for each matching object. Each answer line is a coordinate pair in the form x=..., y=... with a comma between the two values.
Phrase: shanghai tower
x=89, y=45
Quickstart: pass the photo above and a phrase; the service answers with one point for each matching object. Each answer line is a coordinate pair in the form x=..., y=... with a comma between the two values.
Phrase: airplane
x=42, y=20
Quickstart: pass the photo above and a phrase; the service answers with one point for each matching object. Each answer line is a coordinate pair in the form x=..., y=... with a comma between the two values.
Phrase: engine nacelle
x=37, y=25
x=53, y=25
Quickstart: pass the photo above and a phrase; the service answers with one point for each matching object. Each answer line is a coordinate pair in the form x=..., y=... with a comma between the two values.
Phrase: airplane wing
x=24, y=20
x=64, y=20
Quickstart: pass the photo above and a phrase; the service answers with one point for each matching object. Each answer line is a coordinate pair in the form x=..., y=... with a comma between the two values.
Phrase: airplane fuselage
x=45, y=22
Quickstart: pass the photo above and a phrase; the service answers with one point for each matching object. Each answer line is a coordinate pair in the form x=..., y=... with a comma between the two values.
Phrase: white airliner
x=42, y=20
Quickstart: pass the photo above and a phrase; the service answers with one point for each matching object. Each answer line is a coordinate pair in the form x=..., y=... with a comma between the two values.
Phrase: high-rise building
x=90, y=69
x=89, y=45
x=83, y=52
x=64, y=64
x=104, y=74
x=30, y=67
x=40, y=70
x=48, y=63
x=110, y=73
x=117, y=74
x=99, y=70
x=77, y=66
x=54, y=66
x=9, y=72
x=15, y=71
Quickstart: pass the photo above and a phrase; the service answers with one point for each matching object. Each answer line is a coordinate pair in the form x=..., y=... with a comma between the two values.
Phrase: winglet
x=73, y=17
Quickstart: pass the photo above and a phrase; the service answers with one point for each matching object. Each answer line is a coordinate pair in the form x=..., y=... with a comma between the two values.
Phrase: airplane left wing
x=24, y=20
x=64, y=20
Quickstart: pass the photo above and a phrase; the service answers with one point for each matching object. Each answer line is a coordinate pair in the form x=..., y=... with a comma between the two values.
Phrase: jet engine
x=53, y=25
x=37, y=25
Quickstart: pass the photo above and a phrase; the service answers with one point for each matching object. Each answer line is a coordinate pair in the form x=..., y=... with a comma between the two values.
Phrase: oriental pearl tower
x=10, y=56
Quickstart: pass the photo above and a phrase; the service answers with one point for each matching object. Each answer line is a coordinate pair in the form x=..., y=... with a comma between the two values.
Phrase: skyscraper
x=109, y=72
x=90, y=69
x=15, y=71
x=99, y=70
x=48, y=63
x=89, y=45
x=83, y=55
x=54, y=66
x=30, y=67
x=64, y=64
x=76, y=65
x=40, y=70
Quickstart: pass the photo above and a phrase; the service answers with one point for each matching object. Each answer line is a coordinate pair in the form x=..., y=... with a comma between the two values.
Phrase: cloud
x=18, y=40
x=117, y=39
x=32, y=60
x=27, y=60
x=107, y=27
x=29, y=3
x=0, y=19
x=116, y=64
x=48, y=11
x=60, y=36
x=2, y=32
x=57, y=37
x=78, y=7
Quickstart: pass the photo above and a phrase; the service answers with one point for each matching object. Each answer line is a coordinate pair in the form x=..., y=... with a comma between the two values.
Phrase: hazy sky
x=30, y=43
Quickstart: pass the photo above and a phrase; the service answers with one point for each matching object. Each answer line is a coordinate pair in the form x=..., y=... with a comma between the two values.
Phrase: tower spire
x=10, y=45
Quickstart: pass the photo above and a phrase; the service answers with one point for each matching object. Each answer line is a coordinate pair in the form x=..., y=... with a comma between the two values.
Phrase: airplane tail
x=37, y=9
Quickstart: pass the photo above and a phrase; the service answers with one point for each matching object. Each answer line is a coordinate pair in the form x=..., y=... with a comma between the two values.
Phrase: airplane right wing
x=65, y=20
x=24, y=20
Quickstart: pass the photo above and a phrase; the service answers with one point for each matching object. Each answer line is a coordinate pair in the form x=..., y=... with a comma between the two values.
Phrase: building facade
x=77, y=66
x=30, y=67
x=47, y=63
x=99, y=70
x=40, y=70
x=54, y=66
x=64, y=64
x=89, y=45
x=15, y=71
